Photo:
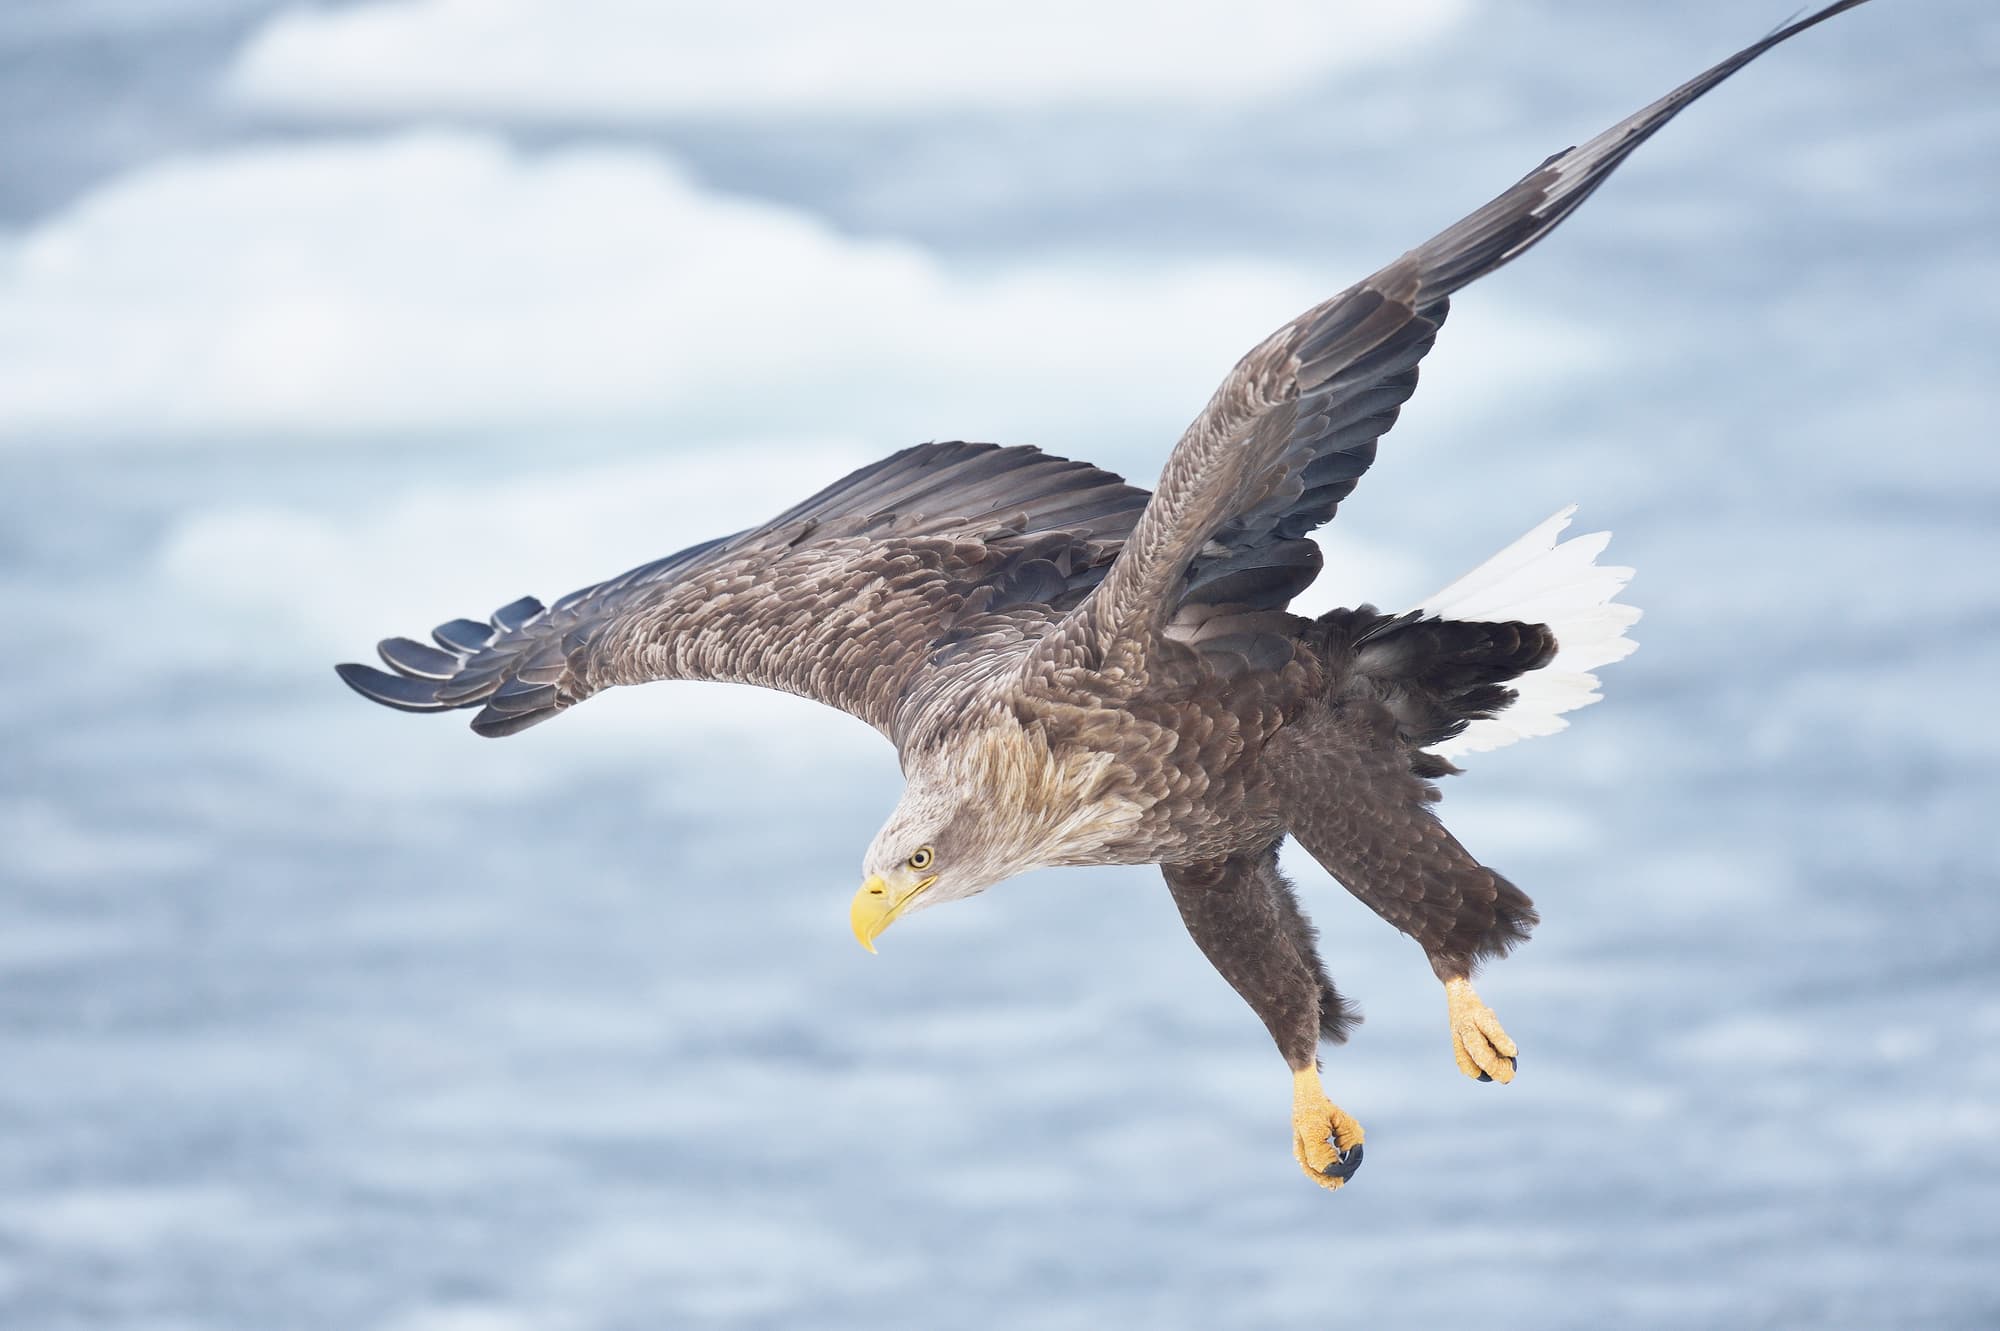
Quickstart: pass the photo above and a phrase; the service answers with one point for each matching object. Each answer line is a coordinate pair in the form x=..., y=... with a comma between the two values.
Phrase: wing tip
x=398, y=691
x=494, y=723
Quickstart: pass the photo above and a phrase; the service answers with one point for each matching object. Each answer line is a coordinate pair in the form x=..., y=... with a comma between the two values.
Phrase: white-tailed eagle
x=1075, y=671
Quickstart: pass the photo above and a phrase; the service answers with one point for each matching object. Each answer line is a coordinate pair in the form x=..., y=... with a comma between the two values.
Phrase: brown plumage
x=1077, y=672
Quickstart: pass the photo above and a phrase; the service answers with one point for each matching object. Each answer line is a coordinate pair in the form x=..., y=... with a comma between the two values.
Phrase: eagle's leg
x=1478, y=1041
x=1243, y=915
x=1366, y=816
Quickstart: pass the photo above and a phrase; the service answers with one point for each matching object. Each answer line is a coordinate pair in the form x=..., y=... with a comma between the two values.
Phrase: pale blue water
x=313, y=1015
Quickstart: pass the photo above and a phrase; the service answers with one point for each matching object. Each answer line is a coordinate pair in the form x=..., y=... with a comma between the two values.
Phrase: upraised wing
x=1291, y=430
x=940, y=553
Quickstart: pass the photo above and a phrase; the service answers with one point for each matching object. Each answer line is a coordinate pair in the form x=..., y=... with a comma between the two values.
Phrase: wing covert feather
x=942, y=549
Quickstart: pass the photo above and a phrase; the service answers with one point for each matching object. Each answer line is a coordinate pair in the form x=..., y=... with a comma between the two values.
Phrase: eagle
x=1075, y=671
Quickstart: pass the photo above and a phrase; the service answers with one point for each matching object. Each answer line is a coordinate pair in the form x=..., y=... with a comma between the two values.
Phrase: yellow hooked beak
x=877, y=905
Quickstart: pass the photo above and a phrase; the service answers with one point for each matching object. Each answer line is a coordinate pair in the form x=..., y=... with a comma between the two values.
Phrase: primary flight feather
x=1075, y=671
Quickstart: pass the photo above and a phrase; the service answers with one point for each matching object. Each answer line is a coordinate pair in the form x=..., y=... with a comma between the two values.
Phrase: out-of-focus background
x=321, y=324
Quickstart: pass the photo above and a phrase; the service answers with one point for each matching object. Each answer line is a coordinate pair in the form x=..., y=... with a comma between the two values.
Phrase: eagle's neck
x=1038, y=804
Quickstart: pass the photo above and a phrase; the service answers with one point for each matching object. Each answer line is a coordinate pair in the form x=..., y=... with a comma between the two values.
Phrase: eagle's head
x=994, y=803
x=935, y=847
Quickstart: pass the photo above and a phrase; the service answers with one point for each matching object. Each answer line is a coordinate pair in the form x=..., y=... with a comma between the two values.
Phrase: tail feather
x=1541, y=580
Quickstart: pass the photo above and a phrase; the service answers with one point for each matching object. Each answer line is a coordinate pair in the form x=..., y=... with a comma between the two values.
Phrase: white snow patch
x=629, y=60
x=448, y=282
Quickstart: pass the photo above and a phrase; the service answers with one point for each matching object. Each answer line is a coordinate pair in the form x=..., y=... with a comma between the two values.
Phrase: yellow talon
x=1478, y=1041
x=1315, y=1119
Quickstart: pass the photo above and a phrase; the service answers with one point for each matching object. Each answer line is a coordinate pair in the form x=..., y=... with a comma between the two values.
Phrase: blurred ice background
x=323, y=324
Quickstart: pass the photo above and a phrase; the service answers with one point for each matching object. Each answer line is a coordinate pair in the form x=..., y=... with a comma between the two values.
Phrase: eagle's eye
x=923, y=859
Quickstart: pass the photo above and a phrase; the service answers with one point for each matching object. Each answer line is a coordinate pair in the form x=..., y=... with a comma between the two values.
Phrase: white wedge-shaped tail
x=1539, y=580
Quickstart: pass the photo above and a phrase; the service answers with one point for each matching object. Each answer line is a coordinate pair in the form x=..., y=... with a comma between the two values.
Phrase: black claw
x=1345, y=1164
x=1514, y=1063
x=1486, y=1076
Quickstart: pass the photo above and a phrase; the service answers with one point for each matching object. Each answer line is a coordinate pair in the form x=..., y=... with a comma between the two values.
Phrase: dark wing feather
x=1290, y=431
x=940, y=551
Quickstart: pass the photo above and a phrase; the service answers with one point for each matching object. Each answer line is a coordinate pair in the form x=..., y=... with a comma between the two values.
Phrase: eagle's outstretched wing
x=943, y=551
x=1290, y=431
